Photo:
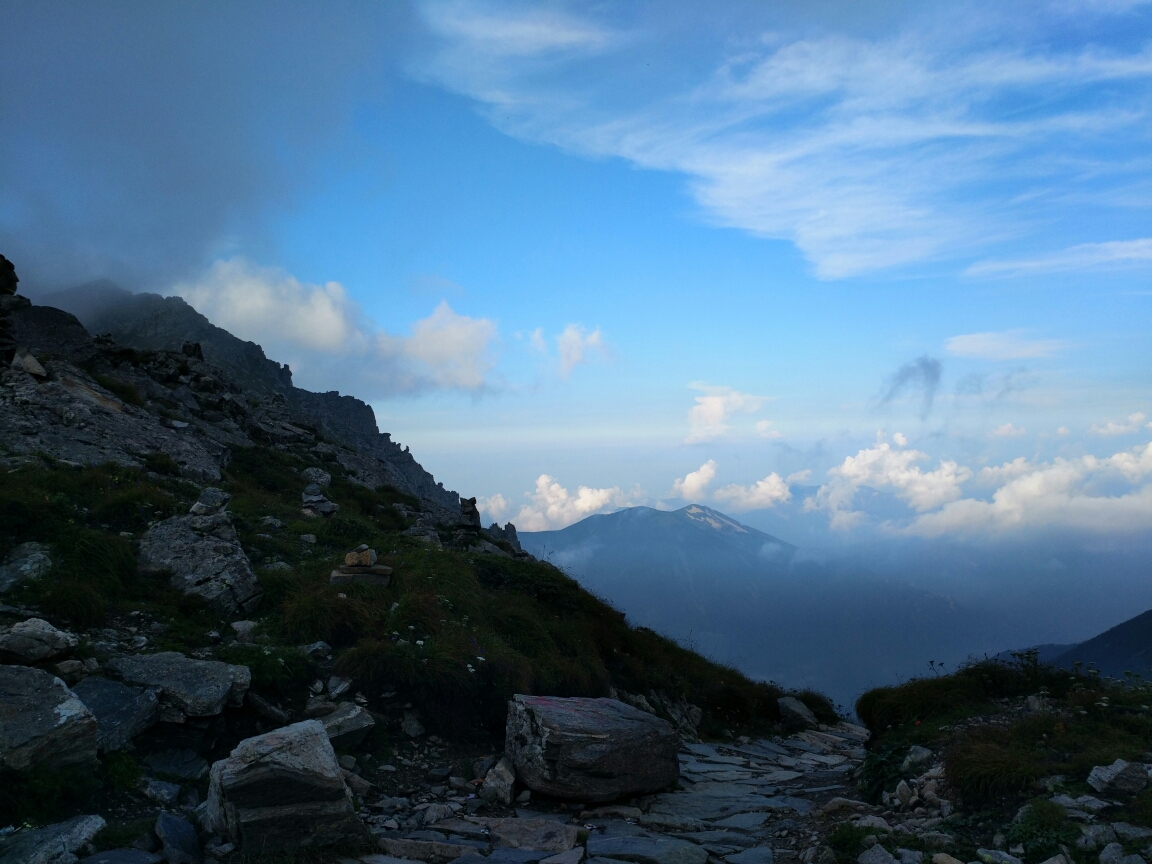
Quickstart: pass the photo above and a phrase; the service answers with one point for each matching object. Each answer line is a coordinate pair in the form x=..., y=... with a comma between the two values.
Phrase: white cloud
x=799, y=476
x=574, y=344
x=1063, y=431
x=536, y=340
x=553, y=507
x=881, y=467
x=495, y=506
x=694, y=485
x=764, y=430
x=865, y=152
x=1007, y=430
x=1110, y=428
x=995, y=474
x=764, y=493
x=327, y=341
x=1062, y=494
x=1005, y=345
x=708, y=418
x=1082, y=257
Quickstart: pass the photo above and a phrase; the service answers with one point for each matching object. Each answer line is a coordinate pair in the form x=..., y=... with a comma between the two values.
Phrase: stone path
x=748, y=802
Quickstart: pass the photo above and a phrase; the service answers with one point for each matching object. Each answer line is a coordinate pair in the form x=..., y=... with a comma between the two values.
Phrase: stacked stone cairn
x=360, y=567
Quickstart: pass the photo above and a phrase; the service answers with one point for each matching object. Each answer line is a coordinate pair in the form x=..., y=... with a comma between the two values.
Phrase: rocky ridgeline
x=87, y=401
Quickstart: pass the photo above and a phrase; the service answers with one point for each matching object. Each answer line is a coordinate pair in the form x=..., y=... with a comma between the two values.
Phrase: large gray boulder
x=795, y=714
x=122, y=712
x=34, y=641
x=204, y=557
x=186, y=687
x=1121, y=776
x=42, y=723
x=589, y=749
x=52, y=844
x=283, y=791
x=28, y=561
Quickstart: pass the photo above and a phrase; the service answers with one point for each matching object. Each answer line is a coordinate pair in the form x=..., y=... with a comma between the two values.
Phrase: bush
x=1043, y=829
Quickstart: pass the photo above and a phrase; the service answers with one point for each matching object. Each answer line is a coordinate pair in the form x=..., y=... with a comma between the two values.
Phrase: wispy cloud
x=1003, y=345
x=867, y=153
x=1085, y=256
x=575, y=344
x=1007, y=430
x=920, y=375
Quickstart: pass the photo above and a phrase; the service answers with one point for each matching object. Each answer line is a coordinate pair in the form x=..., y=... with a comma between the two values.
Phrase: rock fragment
x=178, y=839
x=589, y=749
x=122, y=712
x=499, y=783
x=34, y=640
x=52, y=844
x=27, y=562
x=42, y=723
x=348, y=725
x=646, y=850
x=1121, y=776
x=192, y=688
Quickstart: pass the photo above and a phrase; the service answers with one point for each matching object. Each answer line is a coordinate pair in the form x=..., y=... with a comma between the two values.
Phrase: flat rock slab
x=719, y=838
x=122, y=712
x=647, y=850
x=195, y=688
x=755, y=855
x=42, y=723
x=283, y=791
x=205, y=558
x=589, y=749
x=348, y=725
x=546, y=835
x=711, y=801
x=422, y=850
x=743, y=821
x=52, y=844
x=123, y=856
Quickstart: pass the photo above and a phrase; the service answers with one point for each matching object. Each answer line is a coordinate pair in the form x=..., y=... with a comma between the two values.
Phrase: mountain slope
x=1127, y=647
x=751, y=599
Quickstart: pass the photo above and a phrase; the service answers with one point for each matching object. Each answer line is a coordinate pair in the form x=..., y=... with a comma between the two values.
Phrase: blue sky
x=580, y=256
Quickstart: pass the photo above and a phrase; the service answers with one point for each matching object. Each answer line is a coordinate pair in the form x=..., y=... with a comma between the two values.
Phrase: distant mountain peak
x=713, y=518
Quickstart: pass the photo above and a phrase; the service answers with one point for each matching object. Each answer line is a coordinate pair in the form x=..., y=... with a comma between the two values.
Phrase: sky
x=582, y=256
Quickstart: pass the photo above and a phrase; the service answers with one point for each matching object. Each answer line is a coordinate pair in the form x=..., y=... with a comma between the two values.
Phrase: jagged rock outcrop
x=8, y=283
x=52, y=844
x=162, y=326
x=42, y=723
x=202, y=552
x=589, y=749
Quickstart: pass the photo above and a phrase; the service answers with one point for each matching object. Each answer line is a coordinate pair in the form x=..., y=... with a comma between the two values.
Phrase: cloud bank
x=327, y=341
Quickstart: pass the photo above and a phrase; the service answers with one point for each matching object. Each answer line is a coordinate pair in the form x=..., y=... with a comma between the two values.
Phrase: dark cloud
x=142, y=140
x=922, y=375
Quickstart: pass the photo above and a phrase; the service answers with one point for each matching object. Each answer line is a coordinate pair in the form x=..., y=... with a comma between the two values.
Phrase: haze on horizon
x=873, y=279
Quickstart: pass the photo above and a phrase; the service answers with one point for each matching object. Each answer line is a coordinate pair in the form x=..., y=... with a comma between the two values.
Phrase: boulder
x=211, y=500
x=204, y=557
x=589, y=749
x=348, y=725
x=755, y=855
x=192, y=688
x=795, y=714
x=875, y=855
x=42, y=723
x=28, y=561
x=52, y=844
x=282, y=791
x=1125, y=777
x=34, y=641
x=121, y=712
x=178, y=839
x=917, y=755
